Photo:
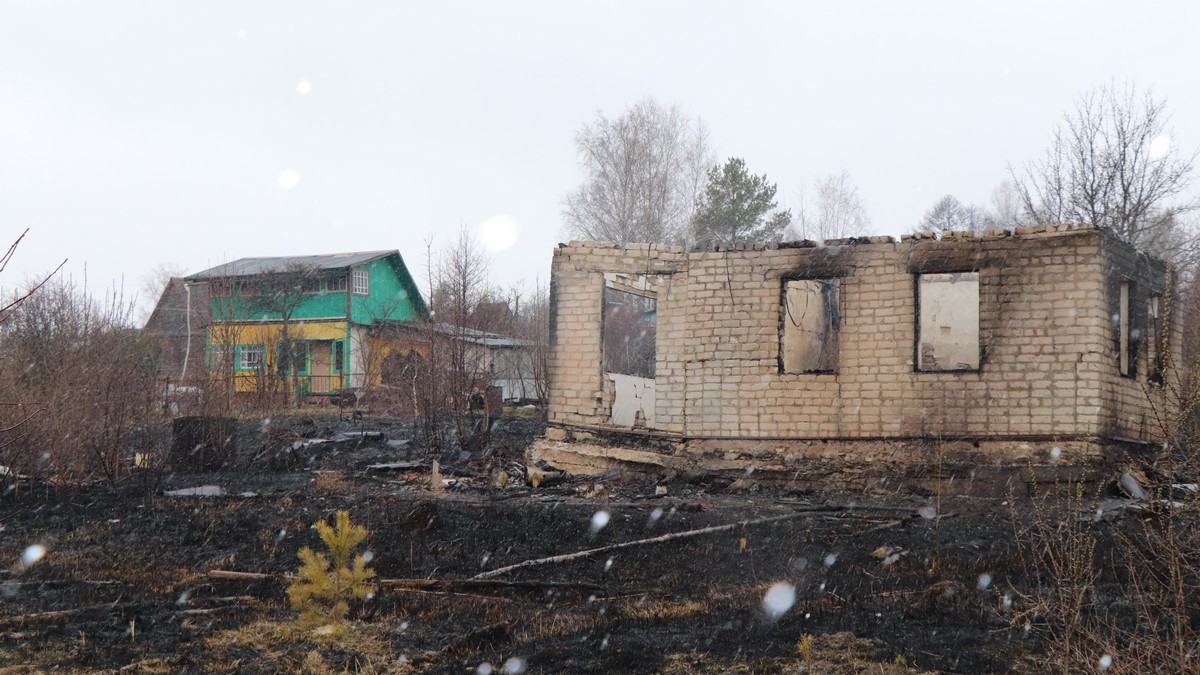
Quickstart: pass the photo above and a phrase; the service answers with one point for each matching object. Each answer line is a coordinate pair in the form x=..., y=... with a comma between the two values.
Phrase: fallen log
x=417, y=584
x=244, y=576
x=213, y=610
x=566, y=557
x=435, y=584
x=396, y=466
x=53, y=615
x=61, y=582
x=233, y=598
x=538, y=477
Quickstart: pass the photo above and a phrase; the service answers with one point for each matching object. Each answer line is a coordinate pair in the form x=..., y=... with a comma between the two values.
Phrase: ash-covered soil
x=893, y=581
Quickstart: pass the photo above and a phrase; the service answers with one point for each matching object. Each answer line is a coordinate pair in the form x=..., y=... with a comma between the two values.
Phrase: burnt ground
x=125, y=582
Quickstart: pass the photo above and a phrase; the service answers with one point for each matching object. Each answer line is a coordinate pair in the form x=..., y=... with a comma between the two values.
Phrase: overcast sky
x=136, y=134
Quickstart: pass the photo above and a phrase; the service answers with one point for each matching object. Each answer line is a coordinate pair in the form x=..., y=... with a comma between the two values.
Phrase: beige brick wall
x=1047, y=370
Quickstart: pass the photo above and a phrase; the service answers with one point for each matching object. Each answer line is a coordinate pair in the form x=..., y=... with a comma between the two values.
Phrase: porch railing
x=309, y=385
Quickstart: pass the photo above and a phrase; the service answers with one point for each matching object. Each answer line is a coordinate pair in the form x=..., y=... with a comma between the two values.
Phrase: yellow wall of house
x=229, y=335
x=269, y=333
x=365, y=350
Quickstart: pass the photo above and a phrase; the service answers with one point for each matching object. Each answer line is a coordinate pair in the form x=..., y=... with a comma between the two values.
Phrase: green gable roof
x=249, y=267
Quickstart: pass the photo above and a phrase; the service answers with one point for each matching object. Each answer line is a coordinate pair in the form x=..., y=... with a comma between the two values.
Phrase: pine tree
x=738, y=207
x=322, y=593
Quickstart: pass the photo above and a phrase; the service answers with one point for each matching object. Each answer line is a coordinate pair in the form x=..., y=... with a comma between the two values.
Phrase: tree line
x=651, y=175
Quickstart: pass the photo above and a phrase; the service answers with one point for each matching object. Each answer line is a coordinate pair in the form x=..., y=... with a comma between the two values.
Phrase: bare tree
x=153, y=284
x=642, y=174
x=456, y=367
x=1110, y=164
x=949, y=214
x=1006, y=205
x=11, y=305
x=836, y=210
x=531, y=324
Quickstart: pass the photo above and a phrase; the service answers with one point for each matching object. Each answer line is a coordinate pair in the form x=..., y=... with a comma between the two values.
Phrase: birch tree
x=642, y=172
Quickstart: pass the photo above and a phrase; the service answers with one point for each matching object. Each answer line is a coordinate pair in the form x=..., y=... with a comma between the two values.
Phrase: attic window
x=948, y=321
x=361, y=282
x=811, y=317
x=335, y=284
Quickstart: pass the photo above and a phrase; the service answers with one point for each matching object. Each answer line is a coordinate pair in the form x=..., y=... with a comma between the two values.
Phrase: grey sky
x=139, y=133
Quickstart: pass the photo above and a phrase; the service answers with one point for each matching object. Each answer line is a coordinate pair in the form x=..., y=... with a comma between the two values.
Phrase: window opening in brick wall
x=948, y=325
x=811, y=317
x=1157, y=334
x=1124, y=344
x=630, y=327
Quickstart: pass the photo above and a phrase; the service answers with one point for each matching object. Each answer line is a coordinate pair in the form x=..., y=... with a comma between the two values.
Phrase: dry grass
x=834, y=654
x=289, y=647
x=653, y=610
x=553, y=623
x=332, y=481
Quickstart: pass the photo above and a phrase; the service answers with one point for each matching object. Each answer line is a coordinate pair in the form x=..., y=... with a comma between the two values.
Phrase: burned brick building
x=997, y=347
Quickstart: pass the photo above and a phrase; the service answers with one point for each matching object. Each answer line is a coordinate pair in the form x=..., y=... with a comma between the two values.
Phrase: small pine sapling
x=322, y=593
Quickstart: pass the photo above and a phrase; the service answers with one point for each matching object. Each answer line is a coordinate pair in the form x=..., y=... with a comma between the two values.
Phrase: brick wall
x=1048, y=367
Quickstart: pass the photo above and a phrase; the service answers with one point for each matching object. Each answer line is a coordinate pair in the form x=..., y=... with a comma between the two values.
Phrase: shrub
x=79, y=386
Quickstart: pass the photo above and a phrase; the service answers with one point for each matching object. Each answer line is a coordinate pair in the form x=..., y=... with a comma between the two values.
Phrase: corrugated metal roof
x=480, y=337
x=245, y=267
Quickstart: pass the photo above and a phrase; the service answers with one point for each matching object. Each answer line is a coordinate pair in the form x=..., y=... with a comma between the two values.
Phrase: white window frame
x=246, y=351
x=360, y=282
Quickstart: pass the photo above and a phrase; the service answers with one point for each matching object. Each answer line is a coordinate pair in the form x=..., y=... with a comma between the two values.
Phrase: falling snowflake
x=600, y=521
x=288, y=179
x=779, y=599
x=1159, y=147
x=32, y=555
